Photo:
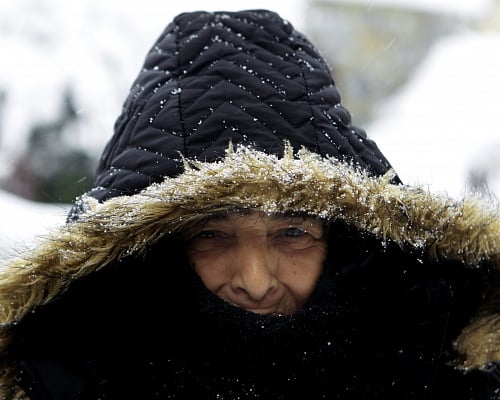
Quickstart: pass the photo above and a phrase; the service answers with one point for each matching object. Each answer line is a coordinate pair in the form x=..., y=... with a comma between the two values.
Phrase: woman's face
x=266, y=264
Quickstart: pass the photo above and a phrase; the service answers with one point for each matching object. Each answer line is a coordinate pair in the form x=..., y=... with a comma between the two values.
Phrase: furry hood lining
x=444, y=228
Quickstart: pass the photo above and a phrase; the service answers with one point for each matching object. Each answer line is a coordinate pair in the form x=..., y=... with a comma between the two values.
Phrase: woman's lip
x=270, y=305
x=261, y=310
x=268, y=309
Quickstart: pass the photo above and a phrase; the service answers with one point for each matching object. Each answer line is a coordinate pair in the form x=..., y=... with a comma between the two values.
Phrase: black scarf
x=377, y=326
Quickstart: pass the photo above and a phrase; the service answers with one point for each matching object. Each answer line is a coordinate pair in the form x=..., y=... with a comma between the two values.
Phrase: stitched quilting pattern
x=214, y=78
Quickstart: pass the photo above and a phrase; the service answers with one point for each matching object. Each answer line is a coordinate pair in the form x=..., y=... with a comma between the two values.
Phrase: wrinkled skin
x=266, y=264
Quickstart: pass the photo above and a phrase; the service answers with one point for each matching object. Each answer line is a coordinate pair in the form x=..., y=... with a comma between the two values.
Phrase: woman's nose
x=255, y=265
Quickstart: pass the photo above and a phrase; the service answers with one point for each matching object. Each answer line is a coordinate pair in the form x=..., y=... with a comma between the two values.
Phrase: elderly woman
x=243, y=240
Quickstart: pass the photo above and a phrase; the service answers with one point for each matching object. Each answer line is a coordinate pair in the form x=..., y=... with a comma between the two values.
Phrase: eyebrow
x=294, y=216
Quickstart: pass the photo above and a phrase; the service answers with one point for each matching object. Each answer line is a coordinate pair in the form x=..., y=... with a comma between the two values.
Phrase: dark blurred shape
x=52, y=169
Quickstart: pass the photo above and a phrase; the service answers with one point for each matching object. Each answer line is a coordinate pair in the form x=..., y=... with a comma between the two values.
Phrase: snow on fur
x=465, y=231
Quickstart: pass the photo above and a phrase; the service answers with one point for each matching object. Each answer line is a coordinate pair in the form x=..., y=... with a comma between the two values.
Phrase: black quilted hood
x=213, y=78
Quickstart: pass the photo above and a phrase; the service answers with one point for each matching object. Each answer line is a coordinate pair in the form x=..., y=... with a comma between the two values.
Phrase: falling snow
x=444, y=165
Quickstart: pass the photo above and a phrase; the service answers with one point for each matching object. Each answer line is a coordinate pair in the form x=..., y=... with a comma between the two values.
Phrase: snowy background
x=441, y=130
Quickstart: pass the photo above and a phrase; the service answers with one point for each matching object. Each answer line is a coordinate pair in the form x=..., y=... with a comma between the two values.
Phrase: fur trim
x=445, y=228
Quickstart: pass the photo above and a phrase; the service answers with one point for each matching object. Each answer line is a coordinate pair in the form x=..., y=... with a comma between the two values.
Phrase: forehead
x=242, y=217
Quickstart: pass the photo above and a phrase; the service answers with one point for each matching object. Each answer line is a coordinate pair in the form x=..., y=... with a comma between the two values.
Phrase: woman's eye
x=207, y=240
x=294, y=238
x=294, y=232
x=206, y=234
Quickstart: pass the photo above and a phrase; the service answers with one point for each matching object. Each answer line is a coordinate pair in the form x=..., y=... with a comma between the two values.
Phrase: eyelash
x=288, y=233
x=206, y=234
x=291, y=232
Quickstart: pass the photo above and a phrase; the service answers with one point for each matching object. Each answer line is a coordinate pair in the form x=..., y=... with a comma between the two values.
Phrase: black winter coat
x=239, y=111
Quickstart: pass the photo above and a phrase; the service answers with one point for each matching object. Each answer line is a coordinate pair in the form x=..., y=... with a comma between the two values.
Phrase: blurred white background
x=439, y=125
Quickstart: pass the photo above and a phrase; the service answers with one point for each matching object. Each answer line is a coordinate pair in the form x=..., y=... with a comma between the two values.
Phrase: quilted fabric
x=214, y=78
